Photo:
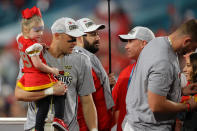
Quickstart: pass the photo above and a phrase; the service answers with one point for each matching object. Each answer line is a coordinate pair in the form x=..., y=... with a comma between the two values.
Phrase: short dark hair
x=189, y=28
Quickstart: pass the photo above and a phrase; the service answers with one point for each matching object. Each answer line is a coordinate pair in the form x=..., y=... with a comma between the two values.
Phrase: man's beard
x=91, y=47
x=184, y=51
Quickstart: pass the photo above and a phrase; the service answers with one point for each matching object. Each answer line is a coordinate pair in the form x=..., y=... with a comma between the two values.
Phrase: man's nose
x=74, y=43
x=98, y=37
x=126, y=46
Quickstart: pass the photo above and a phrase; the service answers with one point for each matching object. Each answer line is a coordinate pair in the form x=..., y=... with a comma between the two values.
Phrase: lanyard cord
x=131, y=75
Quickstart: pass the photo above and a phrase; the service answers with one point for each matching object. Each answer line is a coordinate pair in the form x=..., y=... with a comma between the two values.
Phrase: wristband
x=48, y=91
x=94, y=129
x=188, y=107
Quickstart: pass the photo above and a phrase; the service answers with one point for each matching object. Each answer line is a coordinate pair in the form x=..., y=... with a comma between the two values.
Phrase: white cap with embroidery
x=88, y=25
x=66, y=25
x=139, y=32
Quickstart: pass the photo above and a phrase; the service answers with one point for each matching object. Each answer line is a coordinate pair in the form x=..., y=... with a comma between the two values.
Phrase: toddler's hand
x=55, y=71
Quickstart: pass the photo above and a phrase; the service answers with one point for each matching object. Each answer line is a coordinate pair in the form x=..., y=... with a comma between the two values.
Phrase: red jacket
x=119, y=94
x=103, y=115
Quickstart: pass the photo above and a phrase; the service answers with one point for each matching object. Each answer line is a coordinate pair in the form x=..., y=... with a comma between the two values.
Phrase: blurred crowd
x=10, y=10
x=121, y=23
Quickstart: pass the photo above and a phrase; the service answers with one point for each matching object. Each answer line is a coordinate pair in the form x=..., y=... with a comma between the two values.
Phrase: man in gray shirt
x=89, y=44
x=154, y=92
x=75, y=72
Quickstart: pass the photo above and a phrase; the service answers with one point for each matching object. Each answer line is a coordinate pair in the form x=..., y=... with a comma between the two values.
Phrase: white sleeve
x=18, y=36
x=35, y=49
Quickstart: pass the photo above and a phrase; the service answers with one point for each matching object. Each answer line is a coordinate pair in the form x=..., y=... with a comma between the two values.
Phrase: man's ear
x=57, y=36
x=144, y=44
x=187, y=40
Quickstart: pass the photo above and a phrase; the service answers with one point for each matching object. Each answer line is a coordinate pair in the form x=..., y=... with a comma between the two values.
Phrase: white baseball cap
x=139, y=32
x=88, y=25
x=66, y=25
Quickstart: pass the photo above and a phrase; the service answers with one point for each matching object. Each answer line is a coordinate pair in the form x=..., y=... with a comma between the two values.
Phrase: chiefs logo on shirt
x=65, y=77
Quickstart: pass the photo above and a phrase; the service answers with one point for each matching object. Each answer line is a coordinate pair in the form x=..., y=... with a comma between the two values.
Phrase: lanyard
x=131, y=75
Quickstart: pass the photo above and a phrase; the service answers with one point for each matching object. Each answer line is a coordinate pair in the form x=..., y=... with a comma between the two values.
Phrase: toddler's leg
x=59, y=102
x=43, y=108
x=58, y=122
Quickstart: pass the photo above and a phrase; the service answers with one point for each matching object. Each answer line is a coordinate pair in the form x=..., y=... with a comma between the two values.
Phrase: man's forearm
x=172, y=107
x=57, y=89
x=22, y=95
x=159, y=104
x=89, y=111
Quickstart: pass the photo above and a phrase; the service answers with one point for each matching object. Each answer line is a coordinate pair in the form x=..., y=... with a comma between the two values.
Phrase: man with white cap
x=136, y=40
x=89, y=44
x=75, y=73
x=154, y=93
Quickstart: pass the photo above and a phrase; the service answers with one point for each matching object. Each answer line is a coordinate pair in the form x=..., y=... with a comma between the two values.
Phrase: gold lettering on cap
x=88, y=24
x=72, y=27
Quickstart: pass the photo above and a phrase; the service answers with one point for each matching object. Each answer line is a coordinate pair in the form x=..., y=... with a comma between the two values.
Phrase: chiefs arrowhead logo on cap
x=88, y=24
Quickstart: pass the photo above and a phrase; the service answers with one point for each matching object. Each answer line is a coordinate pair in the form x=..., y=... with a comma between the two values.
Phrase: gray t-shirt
x=78, y=78
x=101, y=73
x=157, y=70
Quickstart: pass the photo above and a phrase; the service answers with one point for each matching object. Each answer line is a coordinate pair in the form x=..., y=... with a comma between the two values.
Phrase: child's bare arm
x=43, y=67
x=34, y=53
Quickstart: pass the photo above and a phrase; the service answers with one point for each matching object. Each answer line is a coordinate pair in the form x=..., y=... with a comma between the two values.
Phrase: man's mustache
x=96, y=42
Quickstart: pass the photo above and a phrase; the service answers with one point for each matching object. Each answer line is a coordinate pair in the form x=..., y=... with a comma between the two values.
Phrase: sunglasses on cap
x=73, y=39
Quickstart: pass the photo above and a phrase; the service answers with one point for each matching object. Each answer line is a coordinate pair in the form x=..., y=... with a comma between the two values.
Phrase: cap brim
x=125, y=38
x=76, y=33
x=95, y=27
